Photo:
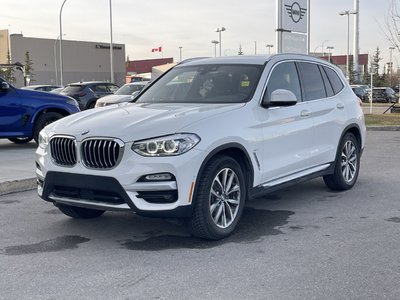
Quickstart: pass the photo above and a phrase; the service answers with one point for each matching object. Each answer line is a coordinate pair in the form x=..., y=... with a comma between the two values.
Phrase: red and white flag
x=158, y=49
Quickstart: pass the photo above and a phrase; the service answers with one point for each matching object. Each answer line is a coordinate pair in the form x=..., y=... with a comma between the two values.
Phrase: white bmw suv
x=205, y=137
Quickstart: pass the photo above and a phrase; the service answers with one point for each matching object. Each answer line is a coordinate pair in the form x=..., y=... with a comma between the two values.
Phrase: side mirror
x=282, y=97
x=4, y=86
x=134, y=95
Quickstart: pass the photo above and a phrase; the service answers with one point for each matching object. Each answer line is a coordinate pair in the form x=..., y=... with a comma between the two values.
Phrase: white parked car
x=204, y=138
x=123, y=94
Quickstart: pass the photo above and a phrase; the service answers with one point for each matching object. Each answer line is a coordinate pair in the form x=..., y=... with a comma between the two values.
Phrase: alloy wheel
x=349, y=161
x=224, y=198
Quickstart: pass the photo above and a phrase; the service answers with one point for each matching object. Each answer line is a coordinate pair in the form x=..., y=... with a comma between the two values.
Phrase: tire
x=20, y=140
x=215, y=216
x=347, y=164
x=43, y=121
x=79, y=212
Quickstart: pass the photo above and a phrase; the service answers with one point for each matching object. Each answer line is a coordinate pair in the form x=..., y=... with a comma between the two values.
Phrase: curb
x=383, y=128
x=19, y=185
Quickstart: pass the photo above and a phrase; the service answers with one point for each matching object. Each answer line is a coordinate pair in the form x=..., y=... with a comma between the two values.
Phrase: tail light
x=81, y=94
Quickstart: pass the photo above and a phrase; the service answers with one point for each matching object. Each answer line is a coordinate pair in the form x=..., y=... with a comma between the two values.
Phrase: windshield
x=128, y=89
x=204, y=84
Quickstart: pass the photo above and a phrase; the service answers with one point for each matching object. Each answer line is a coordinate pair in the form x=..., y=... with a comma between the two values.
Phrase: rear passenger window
x=283, y=76
x=336, y=83
x=328, y=86
x=312, y=83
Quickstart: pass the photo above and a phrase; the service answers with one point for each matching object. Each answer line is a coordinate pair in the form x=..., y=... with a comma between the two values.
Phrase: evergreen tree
x=28, y=67
x=240, y=52
x=9, y=72
x=376, y=58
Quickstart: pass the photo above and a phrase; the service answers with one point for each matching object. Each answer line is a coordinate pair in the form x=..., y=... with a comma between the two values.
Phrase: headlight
x=170, y=145
x=43, y=139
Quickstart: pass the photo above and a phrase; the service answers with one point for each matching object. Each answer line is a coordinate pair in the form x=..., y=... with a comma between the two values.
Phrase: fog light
x=159, y=177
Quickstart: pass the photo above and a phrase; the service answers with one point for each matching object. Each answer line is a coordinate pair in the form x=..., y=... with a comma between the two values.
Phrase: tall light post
x=111, y=47
x=390, y=65
x=180, y=53
x=348, y=13
x=215, y=47
x=55, y=58
x=219, y=30
x=329, y=48
x=323, y=49
x=61, y=53
x=269, y=46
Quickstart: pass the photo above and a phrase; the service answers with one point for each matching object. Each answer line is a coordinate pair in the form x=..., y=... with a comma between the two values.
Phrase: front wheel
x=219, y=199
x=347, y=164
x=43, y=121
x=79, y=212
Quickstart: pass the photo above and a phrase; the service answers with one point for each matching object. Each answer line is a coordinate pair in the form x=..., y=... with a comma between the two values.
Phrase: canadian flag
x=158, y=49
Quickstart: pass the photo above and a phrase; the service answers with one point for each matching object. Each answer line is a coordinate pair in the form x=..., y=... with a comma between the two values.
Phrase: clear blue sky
x=142, y=25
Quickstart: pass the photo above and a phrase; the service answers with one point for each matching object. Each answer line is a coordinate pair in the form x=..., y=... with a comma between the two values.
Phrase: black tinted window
x=334, y=79
x=284, y=76
x=328, y=86
x=205, y=84
x=72, y=89
x=312, y=83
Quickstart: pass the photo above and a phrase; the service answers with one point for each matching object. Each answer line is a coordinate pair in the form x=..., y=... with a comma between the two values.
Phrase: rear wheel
x=43, y=121
x=20, y=140
x=347, y=164
x=79, y=212
x=219, y=199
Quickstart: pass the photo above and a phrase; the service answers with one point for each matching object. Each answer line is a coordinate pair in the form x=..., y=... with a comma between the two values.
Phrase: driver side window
x=283, y=76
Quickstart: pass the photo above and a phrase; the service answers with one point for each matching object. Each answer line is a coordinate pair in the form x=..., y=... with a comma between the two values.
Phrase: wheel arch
x=355, y=130
x=50, y=109
x=237, y=152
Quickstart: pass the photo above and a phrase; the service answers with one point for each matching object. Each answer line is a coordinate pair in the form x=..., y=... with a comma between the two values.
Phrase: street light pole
x=348, y=13
x=61, y=53
x=329, y=48
x=215, y=47
x=219, y=30
x=180, y=53
x=323, y=49
x=111, y=47
x=269, y=46
x=55, y=58
x=390, y=65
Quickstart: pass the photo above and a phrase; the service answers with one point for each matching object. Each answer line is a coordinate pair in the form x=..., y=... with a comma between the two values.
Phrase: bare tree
x=392, y=21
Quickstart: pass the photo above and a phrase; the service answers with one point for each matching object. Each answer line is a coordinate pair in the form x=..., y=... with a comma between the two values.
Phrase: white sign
x=294, y=43
x=294, y=15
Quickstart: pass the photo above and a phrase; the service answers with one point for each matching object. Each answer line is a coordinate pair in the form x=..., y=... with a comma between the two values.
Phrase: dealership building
x=82, y=61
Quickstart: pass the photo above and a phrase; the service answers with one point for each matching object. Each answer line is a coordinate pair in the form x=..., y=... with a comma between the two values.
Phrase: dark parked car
x=43, y=87
x=87, y=93
x=383, y=94
x=24, y=113
x=361, y=93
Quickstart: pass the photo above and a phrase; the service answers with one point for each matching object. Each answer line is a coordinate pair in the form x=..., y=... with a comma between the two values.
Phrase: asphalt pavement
x=17, y=167
x=305, y=242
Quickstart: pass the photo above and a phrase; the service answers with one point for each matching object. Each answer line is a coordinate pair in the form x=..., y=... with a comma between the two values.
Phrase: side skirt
x=262, y=190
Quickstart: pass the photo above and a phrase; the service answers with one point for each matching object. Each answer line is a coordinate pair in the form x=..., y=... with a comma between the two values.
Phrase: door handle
x=340, y=105
x=305, y=113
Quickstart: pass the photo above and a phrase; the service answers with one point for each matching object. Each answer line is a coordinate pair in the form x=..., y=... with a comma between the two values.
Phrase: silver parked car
x=124, y=94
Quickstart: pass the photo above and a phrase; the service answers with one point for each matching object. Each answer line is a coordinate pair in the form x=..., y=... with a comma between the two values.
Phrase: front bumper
x=96, y=192
x=121, y=188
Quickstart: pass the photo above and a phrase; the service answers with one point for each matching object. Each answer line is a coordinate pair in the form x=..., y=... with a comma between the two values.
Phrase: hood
x=41, y=95
x=111, y=99
x=134, y=122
